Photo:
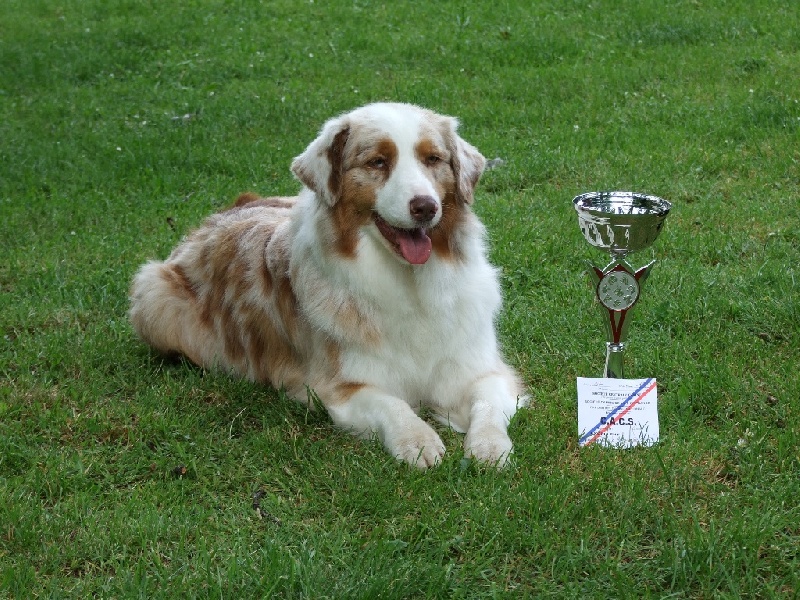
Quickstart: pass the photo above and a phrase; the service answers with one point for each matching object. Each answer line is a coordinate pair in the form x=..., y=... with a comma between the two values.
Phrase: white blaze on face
x=409, y=176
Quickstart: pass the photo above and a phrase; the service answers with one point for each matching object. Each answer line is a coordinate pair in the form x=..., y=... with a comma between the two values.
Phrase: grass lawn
x=123, y=123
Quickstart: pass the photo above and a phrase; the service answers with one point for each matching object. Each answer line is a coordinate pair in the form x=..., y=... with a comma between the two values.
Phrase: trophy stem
x=614, y=355
x=617, y=290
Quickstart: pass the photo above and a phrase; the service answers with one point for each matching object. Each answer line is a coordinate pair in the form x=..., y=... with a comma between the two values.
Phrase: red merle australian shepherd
x=371, y=288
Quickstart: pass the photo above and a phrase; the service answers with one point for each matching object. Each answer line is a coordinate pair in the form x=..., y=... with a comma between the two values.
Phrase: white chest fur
x=436, y=324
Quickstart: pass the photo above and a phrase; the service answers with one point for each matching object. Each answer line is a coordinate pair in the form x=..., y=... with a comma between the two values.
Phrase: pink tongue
x=415, y=245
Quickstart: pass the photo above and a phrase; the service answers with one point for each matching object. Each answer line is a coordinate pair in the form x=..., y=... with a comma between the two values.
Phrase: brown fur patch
x=219, y=261
x=352, y=212
x=246, y=198
x=345, y=390
x=425, y=149
x=358, y=193
x=336, y=160
x=234, y=348
x=286, y=303
x=443, y=236
x=251, y=200
x=271, y=356
x=386, y=150
x=179, y=283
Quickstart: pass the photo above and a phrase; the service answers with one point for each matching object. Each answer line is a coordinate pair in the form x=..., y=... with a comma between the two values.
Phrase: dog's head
x=395, y=171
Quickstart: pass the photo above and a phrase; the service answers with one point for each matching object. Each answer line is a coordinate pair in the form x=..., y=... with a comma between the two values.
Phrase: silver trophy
x=620, y=222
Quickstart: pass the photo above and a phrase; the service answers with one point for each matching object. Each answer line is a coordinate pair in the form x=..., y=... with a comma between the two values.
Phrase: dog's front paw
x=490, y=445
x=419, y=446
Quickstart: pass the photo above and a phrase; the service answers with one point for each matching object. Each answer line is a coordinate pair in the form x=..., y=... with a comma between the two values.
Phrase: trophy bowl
x=620, y=222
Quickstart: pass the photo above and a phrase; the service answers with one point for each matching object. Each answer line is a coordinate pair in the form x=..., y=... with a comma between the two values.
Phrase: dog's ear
x=321, y=166
x=467, y=163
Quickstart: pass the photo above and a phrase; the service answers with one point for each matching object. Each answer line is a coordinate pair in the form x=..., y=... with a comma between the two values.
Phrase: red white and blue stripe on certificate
x=615, y=415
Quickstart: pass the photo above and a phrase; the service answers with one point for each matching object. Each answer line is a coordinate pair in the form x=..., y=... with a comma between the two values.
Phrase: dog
x=370, y=290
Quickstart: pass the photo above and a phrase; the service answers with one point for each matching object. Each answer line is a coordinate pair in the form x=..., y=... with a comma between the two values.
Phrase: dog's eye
x=378, y=163
x=433, y=160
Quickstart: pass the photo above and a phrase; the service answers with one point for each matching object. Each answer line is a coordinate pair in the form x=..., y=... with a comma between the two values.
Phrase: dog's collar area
x=413, y=245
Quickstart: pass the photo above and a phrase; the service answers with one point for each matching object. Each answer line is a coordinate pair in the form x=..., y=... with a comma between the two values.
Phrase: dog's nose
x=423, y=208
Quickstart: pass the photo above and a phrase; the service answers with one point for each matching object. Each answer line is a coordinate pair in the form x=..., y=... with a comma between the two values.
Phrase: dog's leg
x=402, y=432
x=494, y=401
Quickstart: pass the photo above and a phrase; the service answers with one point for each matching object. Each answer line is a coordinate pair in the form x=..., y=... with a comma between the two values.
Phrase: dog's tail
x=163, y=311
